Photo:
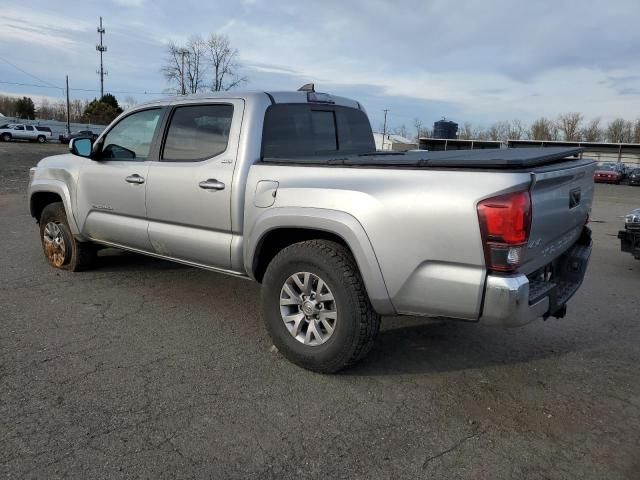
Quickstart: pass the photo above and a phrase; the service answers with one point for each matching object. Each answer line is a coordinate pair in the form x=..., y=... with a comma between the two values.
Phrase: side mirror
x=80, y=147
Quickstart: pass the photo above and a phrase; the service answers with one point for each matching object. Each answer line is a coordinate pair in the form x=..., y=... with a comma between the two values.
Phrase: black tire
x=6, y=137
x=357, y=324
x=42, y=139
x=77, y=255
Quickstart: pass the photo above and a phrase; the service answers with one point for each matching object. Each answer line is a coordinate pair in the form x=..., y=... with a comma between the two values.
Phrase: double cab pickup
x=286, y=189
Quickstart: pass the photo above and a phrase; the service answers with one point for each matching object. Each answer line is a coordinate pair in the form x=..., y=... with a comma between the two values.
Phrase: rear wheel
x=315, y=306
x=60, y=247
x=6, y=137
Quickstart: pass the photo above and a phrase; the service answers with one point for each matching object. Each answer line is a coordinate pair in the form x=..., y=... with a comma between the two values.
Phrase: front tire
x=316, y=308
x=41, y=139
x=6, y=137
x=60, y=247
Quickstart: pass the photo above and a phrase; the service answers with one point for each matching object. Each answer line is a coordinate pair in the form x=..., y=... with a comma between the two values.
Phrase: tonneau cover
x=488, y=158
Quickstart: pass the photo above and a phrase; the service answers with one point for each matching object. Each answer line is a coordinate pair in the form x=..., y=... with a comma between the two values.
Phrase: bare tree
x=592, y=131
x=544, y=129
x=494, y=131
x=636, y=131
x=516, y=130
x=401, y=130
x=569, y=125
x=128, y=102
x=223, y=63
x=466, y=131
x=186, y=62
x=619, y=131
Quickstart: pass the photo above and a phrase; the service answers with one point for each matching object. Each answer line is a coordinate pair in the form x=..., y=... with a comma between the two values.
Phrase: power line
x=80, y=89
x=29, y=74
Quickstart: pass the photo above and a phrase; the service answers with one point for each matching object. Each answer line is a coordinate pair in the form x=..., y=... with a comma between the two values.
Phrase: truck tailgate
x=561, y=197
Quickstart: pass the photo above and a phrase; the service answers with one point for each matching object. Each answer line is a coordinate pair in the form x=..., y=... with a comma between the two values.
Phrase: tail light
x=505, y=224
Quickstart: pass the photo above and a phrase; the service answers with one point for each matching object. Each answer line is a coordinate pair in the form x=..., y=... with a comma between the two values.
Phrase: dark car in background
x=634, y=177
x=66, y=137
x=607, y=174
x=630, y=236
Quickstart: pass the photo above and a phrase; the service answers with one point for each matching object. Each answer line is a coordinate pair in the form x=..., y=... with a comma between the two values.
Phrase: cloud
x=480, y=61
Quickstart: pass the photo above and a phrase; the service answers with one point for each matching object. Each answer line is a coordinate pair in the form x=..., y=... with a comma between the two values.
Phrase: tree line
x=570, y=127
x=99, y=111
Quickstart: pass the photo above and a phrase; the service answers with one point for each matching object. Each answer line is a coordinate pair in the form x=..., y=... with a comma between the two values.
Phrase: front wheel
x=6, y=137
x=316, y=308
x=41, y=139
x=60, y=247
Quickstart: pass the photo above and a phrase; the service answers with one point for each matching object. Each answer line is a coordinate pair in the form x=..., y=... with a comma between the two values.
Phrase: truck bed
x=508, y=158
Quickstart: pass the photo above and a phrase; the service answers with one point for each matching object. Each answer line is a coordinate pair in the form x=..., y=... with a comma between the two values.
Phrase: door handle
x=135, y=178
x=211, y=184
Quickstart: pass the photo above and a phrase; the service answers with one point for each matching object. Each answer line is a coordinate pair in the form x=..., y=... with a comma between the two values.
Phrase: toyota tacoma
x=285, y=188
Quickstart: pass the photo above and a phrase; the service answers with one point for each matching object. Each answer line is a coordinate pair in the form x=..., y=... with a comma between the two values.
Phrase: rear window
x=306, y=130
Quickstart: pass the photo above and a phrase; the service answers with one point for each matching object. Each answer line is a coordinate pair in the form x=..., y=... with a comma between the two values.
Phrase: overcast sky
x=478, y=61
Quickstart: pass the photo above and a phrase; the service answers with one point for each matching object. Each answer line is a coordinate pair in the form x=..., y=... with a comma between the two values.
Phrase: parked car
x=65, y=137
x=607, y=174
x=634, y=177
x=630, y=236
x=286, y=188
x=18, y=131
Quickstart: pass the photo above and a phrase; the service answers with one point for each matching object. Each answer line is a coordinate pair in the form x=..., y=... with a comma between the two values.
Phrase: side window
x=29, y=128
x=131, y=138
x=18, y=127
x=197, y=132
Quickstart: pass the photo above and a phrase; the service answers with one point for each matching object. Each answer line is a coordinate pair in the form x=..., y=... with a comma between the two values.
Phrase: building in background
x=394, y=143
x=445, y=129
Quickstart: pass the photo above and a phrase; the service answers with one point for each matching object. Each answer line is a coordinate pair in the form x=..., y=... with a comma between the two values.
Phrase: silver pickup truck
x=285, y=188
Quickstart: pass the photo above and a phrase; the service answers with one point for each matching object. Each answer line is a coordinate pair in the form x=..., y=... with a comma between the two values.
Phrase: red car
x=607, y=174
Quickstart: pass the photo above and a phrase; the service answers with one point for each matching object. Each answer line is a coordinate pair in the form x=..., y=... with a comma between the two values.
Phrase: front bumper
x=630, y=242
x=512, y=301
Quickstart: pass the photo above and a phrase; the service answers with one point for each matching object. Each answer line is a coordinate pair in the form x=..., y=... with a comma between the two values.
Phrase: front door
x=189, y=188
x=111, y=189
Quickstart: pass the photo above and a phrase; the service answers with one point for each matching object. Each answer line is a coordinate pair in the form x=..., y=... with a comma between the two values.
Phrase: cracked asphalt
x=146, y=369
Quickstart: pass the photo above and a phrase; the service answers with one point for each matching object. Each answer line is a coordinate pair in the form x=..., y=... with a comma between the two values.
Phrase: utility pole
x=101, y=48
x=384, y=127
x=68, y=109
x=182, y=52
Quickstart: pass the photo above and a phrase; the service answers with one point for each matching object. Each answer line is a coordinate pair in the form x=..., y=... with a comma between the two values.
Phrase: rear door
x=561, y=199
x=30, y=132
x=111, y=192
x=189, y=187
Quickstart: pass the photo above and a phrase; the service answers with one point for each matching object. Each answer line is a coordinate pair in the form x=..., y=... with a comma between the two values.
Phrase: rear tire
x=60, y=247
x=354, y=326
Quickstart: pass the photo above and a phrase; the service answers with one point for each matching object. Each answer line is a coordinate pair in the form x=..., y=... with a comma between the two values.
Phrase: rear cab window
x=197, y=132
x=307, y=130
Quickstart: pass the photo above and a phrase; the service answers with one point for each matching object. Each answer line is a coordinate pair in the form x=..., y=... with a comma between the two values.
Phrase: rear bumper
x=630, y=242
x=517, y=300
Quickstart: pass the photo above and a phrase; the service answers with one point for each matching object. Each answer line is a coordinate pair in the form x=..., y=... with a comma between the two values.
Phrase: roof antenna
x=307, y=87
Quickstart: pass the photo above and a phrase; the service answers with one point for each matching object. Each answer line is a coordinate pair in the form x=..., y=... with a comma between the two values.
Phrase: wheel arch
x=280, y=227
x=43, y=194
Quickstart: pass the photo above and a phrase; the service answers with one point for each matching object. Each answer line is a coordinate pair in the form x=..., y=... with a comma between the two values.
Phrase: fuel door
x=265, y=195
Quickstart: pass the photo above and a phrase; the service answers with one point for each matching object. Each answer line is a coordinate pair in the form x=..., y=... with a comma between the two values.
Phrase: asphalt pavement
x=142, y=368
